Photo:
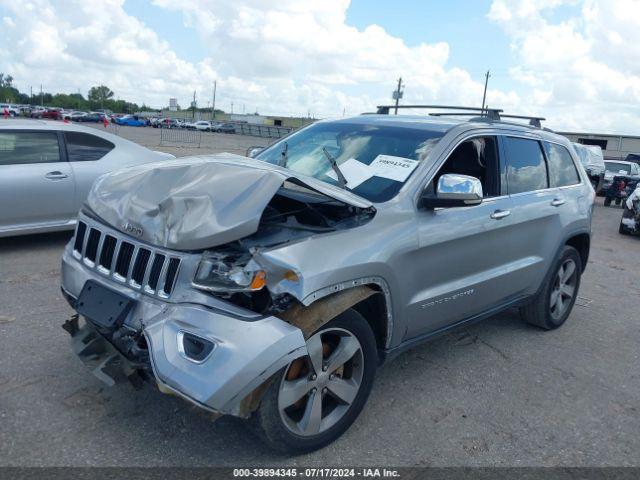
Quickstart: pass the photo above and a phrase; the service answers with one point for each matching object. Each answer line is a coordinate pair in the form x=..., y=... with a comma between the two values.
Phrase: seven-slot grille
x=135, y=264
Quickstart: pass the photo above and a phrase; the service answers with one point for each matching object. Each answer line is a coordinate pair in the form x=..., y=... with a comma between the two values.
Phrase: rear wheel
x=552, y=305
x=618, y=201
x=316, y=398
x=607, y=201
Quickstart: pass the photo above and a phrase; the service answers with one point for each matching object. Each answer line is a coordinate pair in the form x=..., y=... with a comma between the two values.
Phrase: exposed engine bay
x=293, y=214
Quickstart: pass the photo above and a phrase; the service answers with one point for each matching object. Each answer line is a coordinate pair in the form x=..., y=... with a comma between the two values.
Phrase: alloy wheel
x=564, y=289
x=317, y=391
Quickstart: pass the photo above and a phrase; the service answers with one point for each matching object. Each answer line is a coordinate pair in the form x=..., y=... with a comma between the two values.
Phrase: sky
x=574, y=62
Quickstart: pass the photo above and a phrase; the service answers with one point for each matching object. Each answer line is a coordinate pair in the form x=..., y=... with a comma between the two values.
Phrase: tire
x=622, y=230
x=291, y=429
x=545, y=312
x=618, y=201
x=607, y=201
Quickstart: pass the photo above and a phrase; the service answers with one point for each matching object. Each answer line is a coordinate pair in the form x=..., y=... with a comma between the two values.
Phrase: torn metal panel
x=310, y=318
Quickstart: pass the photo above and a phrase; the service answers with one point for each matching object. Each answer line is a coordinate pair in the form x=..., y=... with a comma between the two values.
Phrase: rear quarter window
x=562, y=170
x=526, y=167
x=83, y=147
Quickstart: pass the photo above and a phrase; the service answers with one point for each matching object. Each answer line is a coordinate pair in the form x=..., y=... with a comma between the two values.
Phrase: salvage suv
x=271, y=288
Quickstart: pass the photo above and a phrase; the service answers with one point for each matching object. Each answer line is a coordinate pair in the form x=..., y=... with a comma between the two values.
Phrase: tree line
x=98, y=97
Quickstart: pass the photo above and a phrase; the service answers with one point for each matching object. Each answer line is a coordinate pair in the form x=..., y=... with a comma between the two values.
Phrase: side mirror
x=454, y=190
x=253, y=151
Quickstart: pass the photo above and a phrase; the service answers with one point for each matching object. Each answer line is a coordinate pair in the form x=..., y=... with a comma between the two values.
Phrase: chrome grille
x=126, y=261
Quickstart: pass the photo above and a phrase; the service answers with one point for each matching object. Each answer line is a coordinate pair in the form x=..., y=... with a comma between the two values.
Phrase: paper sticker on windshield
x=393, y=168
x=354, y=172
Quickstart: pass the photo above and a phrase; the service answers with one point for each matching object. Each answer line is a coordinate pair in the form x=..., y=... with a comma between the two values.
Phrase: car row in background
x=47, y=169
x=200, y=125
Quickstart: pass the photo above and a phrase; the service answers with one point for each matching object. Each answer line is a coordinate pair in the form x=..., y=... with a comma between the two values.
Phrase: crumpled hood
x=196, y=202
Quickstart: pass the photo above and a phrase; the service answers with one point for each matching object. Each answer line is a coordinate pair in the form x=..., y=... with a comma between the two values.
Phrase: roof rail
x=492, y=113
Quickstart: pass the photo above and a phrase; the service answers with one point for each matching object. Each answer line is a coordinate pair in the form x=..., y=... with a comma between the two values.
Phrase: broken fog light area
x=193, y=347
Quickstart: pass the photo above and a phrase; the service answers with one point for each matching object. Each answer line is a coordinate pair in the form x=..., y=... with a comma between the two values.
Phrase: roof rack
x=494, y=114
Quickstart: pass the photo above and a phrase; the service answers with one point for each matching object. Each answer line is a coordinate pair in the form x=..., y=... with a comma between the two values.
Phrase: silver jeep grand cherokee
x=272, y=288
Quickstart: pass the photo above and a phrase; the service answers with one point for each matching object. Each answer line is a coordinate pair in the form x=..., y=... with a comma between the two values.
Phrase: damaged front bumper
x=152, y=341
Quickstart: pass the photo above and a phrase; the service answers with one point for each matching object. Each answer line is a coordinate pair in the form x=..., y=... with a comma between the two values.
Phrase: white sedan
x=47, y=169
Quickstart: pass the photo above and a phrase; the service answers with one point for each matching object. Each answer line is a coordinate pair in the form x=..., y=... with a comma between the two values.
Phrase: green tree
x=99, y=95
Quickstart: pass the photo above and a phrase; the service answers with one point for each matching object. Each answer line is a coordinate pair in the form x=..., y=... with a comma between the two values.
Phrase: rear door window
x=562, y=170
x=526, y=167
x=28, y=147
x=83, y=147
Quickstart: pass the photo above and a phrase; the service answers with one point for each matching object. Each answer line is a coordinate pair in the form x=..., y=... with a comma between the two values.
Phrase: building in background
x=614, y=147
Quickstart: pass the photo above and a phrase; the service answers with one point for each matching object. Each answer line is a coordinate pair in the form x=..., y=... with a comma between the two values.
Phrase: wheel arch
x=582, y=243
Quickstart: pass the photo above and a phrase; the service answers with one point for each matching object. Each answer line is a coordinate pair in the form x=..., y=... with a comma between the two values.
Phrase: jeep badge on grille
x=129, y=227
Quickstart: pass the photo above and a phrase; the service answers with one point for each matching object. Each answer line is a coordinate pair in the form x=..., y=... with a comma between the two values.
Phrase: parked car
x=131, y=121
x=203, y=275
x=36, y=111
x=91, y=117
x=51, y=114
x=72, y=114
x=226, y=128
x=632, y=157
x=168, y=123
x=202, y=125
x=593, y=162
x=630, y=221
x=11, y=110
x=47, y=168
x=619, y=167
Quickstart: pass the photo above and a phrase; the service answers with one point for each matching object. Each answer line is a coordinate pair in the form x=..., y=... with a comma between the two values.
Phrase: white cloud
x=582, y=71
x=295, y=56
x=288, y=57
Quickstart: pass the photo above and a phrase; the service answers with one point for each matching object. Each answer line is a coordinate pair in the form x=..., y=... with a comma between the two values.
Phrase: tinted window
x=562, y=170
x=526, y=168
x=83, y=147
x=28, y=147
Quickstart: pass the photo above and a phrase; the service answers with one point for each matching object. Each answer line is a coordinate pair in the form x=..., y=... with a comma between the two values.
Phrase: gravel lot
x=209, y=142
x=499, y=393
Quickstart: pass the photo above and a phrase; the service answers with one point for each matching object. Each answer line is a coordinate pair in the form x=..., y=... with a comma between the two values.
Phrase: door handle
x=56, y=175
x=498, y=214
x=556, y=202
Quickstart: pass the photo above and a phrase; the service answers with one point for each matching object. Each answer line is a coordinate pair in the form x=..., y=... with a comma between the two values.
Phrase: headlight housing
x=225, y=272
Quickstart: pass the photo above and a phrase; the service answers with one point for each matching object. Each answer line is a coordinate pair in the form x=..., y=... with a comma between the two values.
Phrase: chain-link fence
x=269, y=131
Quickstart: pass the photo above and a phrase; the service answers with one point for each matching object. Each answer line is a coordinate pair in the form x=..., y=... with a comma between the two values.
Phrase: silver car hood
x=196, y=203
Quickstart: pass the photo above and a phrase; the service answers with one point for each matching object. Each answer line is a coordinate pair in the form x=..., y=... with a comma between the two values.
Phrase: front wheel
x=316, y=398
x=552, y=305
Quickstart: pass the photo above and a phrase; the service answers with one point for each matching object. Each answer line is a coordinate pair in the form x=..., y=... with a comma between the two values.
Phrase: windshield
x=374, y=160
x=616, y=167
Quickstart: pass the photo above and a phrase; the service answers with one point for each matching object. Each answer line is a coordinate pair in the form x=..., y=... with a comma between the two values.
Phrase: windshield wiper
x=283, y=155
x=334, y=165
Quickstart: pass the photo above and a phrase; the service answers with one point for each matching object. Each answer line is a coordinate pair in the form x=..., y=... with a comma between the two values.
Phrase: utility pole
x=41, y=97
x=484, y=95
x=231, y=108
x=213, y=105
x=193, y=106
x=31, y=96
x=398, y=94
